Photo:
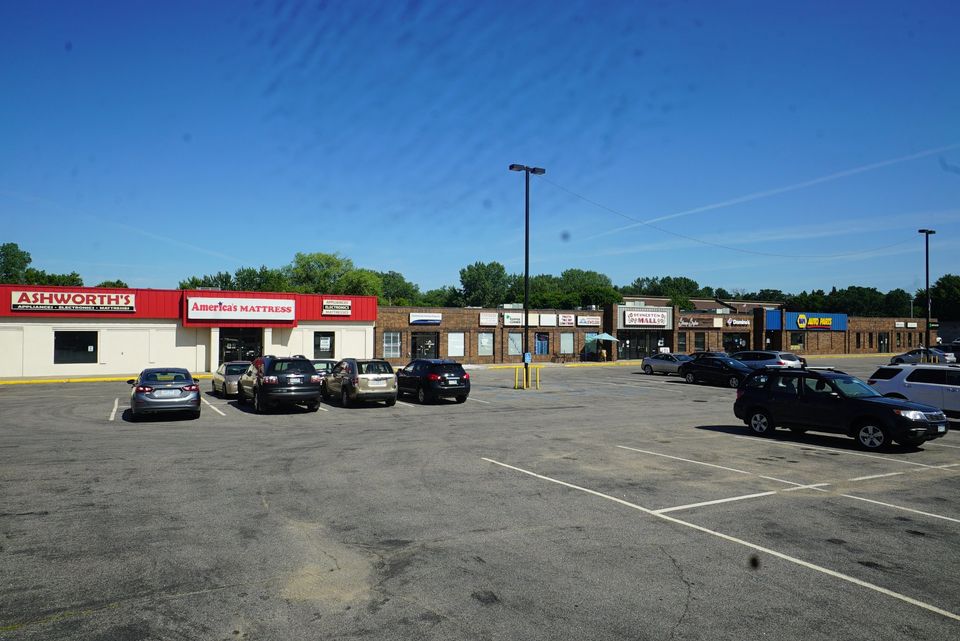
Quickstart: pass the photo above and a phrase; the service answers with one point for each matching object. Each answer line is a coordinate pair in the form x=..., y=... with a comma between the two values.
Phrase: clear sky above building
x=767, y=144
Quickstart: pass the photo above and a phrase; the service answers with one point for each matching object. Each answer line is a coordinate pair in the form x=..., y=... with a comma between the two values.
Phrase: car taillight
x=355, y=380
x=191, y=388
x=315, y=378
x=782, y=363
x=267, y=380
x=433, y=377
x=739, y=393
x=144, y=389
x=466, y=376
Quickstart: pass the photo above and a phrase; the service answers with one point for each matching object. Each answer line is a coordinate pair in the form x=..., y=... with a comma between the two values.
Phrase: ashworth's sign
x=241, y=308
x=34, y=301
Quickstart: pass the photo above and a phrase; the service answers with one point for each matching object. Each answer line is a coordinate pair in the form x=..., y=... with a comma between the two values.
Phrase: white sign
x=489, y=319
x=425, y=318
x=899, y=324
x=566, y=320
x=533, y=320
x=911, y=325
x=548, y=320
x=588, y=321
x=337, y=307
x=512, y=320
x=60, y=301
x=737, y=322
x=689, y=322
x=210, y=308
x=641, y=318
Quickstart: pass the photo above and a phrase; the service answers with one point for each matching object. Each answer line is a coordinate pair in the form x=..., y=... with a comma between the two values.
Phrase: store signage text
x=588, y=321
x=737, y=322
x=814, y=322
x=241, y=309
x=689, y=322
x=633, y=318
x=423, y=318
x=337, y=307
x=566, y=320
x=511, y=319
x=34, y=301
x=489, y=319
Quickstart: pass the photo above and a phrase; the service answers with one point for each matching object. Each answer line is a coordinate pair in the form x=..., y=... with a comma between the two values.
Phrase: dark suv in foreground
x=273, y=380
x=832, y=401
x=430, y=379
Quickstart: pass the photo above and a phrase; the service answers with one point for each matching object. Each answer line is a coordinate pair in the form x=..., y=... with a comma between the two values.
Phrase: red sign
x=57, y=301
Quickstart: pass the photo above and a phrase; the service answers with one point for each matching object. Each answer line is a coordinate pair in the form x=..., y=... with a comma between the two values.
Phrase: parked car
x=713, y=369
x=664, y=363
x=164, y=389
x=937, y=385
x=831, y=401
x=324, y=365
x=766, y=358
x=920, y=354
x=430, y=379
x=355, y=380
x=273, y=380
x=225, y=379
x=698, y=355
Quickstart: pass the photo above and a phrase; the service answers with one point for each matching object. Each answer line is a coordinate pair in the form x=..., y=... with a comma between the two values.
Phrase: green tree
x=484, y=284
x=722, y=294
x=945, y=297
x=896, y=302
x=360, y=282
x=585, y=287
x=33, y=276
x=397, y=290
x=265, y=279
x=113, y=283
x=13, y=263
x=856, y=301
x=446, y=296
x=318, y=273
x=220, y=280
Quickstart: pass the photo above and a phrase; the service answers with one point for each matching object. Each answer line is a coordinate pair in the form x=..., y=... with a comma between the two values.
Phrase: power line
x=715, y=244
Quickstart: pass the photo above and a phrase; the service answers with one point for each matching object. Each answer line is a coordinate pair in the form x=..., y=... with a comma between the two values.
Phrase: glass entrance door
x=425, y=344
x=240, y=343
x=883, y=342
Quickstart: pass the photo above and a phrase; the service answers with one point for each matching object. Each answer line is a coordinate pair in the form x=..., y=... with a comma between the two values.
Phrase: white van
x=937, y=385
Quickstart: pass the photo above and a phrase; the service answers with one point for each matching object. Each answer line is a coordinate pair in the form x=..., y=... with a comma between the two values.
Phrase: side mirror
x=131, y=381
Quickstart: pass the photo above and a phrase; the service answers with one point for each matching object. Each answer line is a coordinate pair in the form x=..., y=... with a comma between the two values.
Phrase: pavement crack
x=689, y=586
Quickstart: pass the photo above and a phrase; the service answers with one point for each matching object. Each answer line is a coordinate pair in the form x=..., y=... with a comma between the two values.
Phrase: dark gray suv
x=273, y=380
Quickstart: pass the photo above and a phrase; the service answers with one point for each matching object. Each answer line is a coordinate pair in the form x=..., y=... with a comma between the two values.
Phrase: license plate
x=294, y=380
x=453, y=381
x=378, y=383
x=167, y=392
x=941, y=429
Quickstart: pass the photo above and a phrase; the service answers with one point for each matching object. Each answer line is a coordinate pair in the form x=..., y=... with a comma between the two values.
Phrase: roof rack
x=825, y=368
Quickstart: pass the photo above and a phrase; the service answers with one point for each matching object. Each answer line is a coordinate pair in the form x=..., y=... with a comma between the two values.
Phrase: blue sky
x=771, y=144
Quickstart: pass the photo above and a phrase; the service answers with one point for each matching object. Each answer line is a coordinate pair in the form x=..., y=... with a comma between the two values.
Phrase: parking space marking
x=900, y=507
x=955, y=447
x=113, y=412
x=714, y=502
x=212, y=406
x=780, y=555
x=838, y=451
x=405, y=404
x=875, y=476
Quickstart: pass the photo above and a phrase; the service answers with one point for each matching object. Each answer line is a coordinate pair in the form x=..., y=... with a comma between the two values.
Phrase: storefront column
x=214, y=349
x=267, y=341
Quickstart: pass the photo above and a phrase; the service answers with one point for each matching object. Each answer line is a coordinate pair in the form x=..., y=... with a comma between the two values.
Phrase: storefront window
x=391, y=344
x=323, y=344
x=485, y=344
x=858, y=340
x=796, y=341
x=514, y=344
x=909, y=339
x=542, y=343
x=899, y=344
x=700, y=341
x=682, y=342
x=455, y=344
x=75, y=347
x=870, y=340
x=425, y=344
x=566, y=343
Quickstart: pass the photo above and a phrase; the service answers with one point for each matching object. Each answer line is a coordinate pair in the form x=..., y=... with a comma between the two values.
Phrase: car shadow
x=247, y=408
x=159, y=417
x=820, y=439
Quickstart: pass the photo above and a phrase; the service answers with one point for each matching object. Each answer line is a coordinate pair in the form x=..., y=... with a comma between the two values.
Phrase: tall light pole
x=538, y=171
x=926, y=342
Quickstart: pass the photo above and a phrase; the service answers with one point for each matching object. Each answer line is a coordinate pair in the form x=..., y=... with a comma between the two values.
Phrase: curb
x=99, y=379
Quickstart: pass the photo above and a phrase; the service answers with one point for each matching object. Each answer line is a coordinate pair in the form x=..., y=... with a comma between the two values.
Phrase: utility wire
x=709, y=242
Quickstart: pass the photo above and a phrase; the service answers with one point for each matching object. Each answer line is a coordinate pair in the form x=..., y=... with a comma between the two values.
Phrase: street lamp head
x=926, y=231
x=516, y=167
x=538, y=171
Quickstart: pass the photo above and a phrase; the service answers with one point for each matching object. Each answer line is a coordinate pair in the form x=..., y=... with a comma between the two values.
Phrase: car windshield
x=235, y=370
x=447, y=368
x=853, y=387
x=169, y=376
x=323, y=366
x=375, y=367
x=788, y=357
x=682, y=357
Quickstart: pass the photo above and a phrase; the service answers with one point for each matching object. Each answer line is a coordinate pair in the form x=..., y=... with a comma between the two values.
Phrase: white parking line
x=875, y=476
x=956, y=447
x=831, y=449
x=900, y=507
x=717, y=501
x=113, y=412
x=212, y=406
x=470, y=398
x=405, y=403
x=753, y=546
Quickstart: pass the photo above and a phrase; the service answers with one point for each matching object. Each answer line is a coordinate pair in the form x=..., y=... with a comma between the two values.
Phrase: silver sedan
x=920, y=355
x=164, y=389
x=664, y=363
x=225, y=378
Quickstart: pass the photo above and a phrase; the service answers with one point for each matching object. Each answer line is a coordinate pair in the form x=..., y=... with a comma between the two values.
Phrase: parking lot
x=607, y=505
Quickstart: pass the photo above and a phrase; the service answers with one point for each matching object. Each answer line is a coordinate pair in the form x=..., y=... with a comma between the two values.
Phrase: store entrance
x=637, y=344
x=240, y=343
x=736, y=341
x=425, y=344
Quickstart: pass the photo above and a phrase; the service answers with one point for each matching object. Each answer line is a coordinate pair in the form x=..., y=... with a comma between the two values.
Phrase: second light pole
x=927, y=355
x=537, y=171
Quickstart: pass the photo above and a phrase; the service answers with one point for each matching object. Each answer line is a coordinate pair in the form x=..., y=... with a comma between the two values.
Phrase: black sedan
x=717, y=370
x=429, y=379
x=162, y=390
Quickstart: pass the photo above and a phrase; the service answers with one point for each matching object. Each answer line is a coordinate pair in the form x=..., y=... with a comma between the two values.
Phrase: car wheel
x=690, y=378
x=324, y=392
x=733, y=381
x=241, y=399
x=258, y=405
x=213, y=388
x=313, y=407
x=344, y=397
x=871, y=436
x=390, y=402
x=898, y=361
x=647, y=370
x=461, y=399
x=760, y=423
x=422, y=396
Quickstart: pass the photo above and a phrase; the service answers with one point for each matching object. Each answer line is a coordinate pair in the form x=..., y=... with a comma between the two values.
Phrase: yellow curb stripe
x=102, y=379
